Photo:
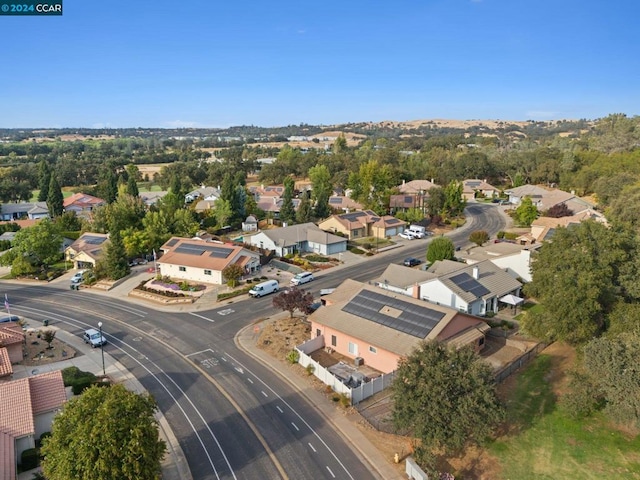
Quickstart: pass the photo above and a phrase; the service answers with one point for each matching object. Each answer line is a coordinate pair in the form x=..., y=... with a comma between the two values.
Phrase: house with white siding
x=301, y=238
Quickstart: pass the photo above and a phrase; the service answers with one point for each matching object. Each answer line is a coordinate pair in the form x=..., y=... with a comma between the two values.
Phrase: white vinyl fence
x=365, y=390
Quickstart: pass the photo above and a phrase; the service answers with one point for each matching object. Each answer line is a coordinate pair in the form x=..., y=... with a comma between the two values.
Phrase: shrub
x=317, y=258
x=345, y=401
x=293, y=356
x=310, y=369
x=500, y=235
x=510, y=235
x=77, y=379
x=30, y=459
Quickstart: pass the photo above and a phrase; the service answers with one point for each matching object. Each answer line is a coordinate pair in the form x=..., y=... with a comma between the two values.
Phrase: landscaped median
x=167, y=291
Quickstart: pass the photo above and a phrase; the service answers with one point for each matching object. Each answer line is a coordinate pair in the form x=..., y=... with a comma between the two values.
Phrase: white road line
x=78, y=324
x=239, y=370
x=198, y=353
x=297, y=415
x=223, y=359
x=295, y=426
x=249, y=380
x=264, y=393
x=311, y=447
x=330, y=472
x=279, y=409
x=200, y=316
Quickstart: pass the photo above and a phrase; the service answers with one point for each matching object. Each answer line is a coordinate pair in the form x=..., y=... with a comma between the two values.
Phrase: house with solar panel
x=474, y=289
x=196, y=260
x=471, y=187
x=362, y=224
x=301, y=238
x=377, y=328
x=82, y=204
x=86, y=250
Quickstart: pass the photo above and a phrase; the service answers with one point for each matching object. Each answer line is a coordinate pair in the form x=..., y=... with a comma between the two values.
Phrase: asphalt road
x=234, y=417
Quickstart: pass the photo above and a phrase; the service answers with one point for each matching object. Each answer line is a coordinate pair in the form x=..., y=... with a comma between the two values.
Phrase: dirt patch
x=38, y=353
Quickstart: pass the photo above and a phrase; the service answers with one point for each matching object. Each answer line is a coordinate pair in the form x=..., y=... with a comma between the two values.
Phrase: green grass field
x=35, y=193
x=550, y=445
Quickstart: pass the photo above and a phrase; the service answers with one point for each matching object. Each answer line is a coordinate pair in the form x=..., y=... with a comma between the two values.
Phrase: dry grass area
x=37, y=352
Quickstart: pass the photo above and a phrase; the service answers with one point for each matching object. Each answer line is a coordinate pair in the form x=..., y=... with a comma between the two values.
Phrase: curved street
x=233, y=416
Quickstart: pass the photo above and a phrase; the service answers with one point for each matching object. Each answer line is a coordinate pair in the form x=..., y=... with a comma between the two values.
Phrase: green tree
x=287, y=210
x=576, y=278
x=446, y=396
x=68, y=222
x=479, y=237
x=108, y=185
x=303, y=215
x=321, y=208
x=184, y=224
x=440, y=248
x=454, y=202
x=108, y=433
x=320, y=181
x=136, y=242
x=48, y=335
x=132, y=187
x=156, y=226
x=44, y=179
x=526, y=212
x=38, y=246
x=293, y=299
x=232, y=274
x=55, y=200
x=223, y=212
x=436, y=201
x=114, y=261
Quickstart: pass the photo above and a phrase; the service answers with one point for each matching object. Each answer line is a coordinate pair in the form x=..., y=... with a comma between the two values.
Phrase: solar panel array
x=94, y=240
x=414, y=320
x=352, y=217
x=172, y=242
x=216, y=252
x=335, y=200
x=473, y=184
x=392, y=221
x=466, y=282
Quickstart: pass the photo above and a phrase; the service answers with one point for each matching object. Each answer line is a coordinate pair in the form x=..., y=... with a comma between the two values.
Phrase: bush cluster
x=235, y=293
x=77, y=379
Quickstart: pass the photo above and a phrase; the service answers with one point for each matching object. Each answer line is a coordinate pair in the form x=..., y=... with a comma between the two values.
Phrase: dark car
x=411, y=262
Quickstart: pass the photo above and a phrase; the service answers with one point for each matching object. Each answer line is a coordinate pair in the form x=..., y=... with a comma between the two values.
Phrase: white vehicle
x=93, y=337
x=417, y=231
x=406, y=235
x=301, y=278
x=77, y=277
x=264, y=288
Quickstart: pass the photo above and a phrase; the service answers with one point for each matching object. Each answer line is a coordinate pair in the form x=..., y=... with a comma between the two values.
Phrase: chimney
x=416, y=291
x=432, y=180
x=476, y=273
x=262, y=186
x=403, y=181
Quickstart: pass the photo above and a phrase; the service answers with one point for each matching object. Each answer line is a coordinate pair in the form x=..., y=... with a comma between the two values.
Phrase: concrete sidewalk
x=246, y=340
x=174, y=465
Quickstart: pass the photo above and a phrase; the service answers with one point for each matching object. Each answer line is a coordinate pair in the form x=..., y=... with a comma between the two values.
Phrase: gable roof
x=10, y=334
x=472, y=184
x=393, y=322
x=90, y=243
x=459, y=278
x=47, y=392
x=83, y=201
x=342, y=201
x=545, y=198
x=7, y=456
x=24, y=207
x=362, y=218
x=292, y=235
x=203, y=254
x=205, y=192
x=5, y=364
x=403, y=277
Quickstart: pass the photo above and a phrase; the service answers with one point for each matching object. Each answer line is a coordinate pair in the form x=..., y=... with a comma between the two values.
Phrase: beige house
x=362, y=224
x=82, y=204
x=380, y=328
x=202, y=261
x=86, y=250
x=471, y=186
x=543, y=228
x=26, y=411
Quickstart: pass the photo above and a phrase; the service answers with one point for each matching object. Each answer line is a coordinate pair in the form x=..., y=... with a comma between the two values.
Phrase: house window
x=207, y=272
x=318, y=332
x=334, y=341
x=353, y=348
x=373, y=349
x=182, y=269
x=481, y=341
x=355, y=233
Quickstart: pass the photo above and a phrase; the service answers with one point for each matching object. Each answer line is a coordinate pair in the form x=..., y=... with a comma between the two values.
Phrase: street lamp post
x=102, y=348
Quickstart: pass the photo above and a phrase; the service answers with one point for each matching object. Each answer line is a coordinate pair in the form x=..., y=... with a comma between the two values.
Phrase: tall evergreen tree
x=132, y=187
x=303, y=215
x=115, y=265
x=44, y=179
x=287, y=210
x=109, y=185
x=55, y=200
x=321, y=209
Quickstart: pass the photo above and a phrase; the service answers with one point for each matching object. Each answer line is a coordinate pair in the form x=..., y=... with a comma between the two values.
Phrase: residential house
x=362, y=224
x=413, y=194
x=273, y=204
x=545, y=198
x=210, y=194
x=344, y=203
x=82, y=204
x=472, y=186
x=250, y=224
x=151, y=198
x=203, y=261
x=304, y=237
x=416, y=187
x=543, y=228
x=11, y=348
x=26, y=412
x=379, y=327
x=86, y=250
x=24, y=210
x=514, y=258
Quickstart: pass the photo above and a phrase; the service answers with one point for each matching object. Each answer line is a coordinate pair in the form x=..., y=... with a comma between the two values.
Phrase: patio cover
x=512, y=300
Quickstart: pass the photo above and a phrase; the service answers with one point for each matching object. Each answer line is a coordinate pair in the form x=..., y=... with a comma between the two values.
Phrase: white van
x=264, y=288
x=301, y=278
x=417, y=231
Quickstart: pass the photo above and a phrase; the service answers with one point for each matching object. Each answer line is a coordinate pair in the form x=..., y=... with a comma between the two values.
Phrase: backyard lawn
x=545, y=443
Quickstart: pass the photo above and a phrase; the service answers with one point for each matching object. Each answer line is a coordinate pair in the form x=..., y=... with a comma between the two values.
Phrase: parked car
x=93, y=337
x=411, y=262
x=300, y=278
x=406, y=235
x=78, y=277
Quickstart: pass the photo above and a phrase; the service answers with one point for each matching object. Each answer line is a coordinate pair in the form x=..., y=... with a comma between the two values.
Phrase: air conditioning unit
x=358, y=361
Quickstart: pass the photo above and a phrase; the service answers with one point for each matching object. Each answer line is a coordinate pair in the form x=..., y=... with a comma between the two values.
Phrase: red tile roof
x=47, y=392
x=5, y=364
x=10, y=333
x=83, y=201
x=7, y=456
x=16, y=418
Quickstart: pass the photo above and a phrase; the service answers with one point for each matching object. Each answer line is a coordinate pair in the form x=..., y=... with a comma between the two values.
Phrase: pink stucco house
x=380, y=327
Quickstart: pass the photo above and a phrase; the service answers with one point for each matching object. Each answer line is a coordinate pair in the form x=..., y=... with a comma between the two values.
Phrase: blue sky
x=215, y=63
